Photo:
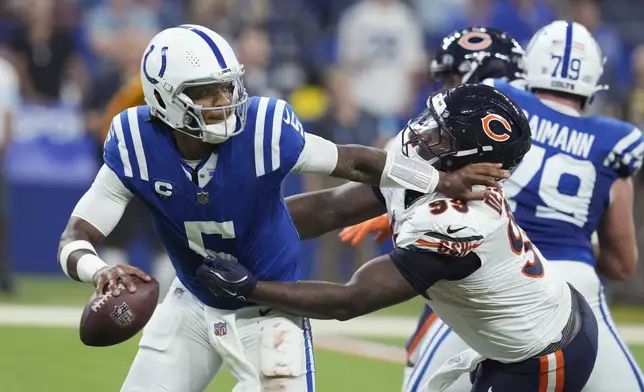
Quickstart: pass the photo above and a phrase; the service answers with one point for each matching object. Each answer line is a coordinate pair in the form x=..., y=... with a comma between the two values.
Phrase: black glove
x=226, y=278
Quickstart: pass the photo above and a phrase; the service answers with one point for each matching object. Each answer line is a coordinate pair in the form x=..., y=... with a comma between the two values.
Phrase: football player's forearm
x=313, y=213
x=616, y=266
x=360, y=164
x=78, y=230
x=616, y=234
x=319, y=300
x=317, y=213
x=376, y=285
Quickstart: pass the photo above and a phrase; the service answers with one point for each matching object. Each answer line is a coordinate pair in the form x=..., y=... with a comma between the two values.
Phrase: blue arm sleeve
x=292, y=139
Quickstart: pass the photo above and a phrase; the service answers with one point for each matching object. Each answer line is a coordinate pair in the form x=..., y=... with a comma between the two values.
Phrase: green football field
x=53, y=359
x=37, y=358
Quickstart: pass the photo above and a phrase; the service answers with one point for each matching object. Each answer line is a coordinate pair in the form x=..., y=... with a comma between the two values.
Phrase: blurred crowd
x=362, y=62
x=354, y=70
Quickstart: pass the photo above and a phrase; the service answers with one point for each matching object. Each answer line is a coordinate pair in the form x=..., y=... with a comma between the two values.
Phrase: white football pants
x=186, y=343
x=615, y=369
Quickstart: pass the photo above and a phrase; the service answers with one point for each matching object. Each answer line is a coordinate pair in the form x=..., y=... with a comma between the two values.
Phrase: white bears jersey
x=510, y=308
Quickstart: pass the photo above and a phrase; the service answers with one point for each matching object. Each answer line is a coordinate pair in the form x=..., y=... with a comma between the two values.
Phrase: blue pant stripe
x=427, y=357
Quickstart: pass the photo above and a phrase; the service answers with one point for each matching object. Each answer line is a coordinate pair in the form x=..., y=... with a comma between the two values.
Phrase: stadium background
x=61, y=61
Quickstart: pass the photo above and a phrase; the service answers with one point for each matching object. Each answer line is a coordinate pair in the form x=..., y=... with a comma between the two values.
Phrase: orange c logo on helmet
x=481, y=41
x=487, y=120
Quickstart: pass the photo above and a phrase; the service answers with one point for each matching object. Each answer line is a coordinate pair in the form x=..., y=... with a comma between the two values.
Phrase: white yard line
x=361, y=348
x=325, y=335
x=69, y=316
x=328, y=334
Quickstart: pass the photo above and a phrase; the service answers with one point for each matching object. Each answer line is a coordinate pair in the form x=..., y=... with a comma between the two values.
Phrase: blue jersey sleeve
x=292, y=140
x=626, y=156
x=123, y=150
x=279, y=137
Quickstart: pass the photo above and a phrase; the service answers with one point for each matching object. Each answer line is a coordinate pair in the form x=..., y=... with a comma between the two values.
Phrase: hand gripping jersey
x=562, y=188
x=230, y=205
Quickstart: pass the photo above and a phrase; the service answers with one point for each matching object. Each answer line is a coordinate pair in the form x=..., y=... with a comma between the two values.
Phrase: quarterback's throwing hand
x=226, y=278
x=112, y=275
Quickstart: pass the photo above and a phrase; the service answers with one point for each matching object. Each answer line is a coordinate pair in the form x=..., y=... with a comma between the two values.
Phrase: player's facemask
x=215, y=110
x=428, y=139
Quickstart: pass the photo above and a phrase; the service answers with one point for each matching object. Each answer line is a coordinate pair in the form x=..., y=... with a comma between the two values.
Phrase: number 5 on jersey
x=196, y=230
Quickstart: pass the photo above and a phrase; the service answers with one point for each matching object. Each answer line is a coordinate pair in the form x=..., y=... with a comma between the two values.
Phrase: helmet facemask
x=429, y=138
x=215, y=109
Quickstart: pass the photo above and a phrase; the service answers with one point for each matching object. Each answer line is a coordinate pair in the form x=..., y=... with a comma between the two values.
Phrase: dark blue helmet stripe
x=211, y=43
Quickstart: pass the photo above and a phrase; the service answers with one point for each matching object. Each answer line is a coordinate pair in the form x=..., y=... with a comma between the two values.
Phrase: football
x=108, y=320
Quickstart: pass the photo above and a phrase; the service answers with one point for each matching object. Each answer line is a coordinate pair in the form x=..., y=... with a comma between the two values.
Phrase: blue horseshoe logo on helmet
x=163, y=64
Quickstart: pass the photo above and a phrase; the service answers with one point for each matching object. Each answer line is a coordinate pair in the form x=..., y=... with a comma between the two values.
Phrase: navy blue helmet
x=478, y=53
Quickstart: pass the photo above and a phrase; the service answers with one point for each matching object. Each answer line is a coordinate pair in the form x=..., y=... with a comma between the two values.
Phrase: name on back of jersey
x=605, y=141
x=559, y=136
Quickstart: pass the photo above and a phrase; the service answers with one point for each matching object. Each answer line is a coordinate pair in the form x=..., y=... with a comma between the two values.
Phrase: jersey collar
x=205, y=170
x=561, y=108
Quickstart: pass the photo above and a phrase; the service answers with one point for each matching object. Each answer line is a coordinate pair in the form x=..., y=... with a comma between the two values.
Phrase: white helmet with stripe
x=188, y=57
x=564, y=56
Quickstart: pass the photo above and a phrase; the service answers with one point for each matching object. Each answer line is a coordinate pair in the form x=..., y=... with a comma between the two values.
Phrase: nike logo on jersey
x=452, y=231
x=264, y=312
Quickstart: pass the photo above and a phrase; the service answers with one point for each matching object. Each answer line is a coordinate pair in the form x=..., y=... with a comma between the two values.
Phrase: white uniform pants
x=186, y=343
x=615, y=369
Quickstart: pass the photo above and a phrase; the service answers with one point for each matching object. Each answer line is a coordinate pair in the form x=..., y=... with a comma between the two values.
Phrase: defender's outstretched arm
x=382, y=282
x=376, y=285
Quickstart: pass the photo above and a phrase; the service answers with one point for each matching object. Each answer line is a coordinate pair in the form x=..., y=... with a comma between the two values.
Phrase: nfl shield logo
x=178, y=292
x=220, y=329
x=122, y=315
x=203, y=198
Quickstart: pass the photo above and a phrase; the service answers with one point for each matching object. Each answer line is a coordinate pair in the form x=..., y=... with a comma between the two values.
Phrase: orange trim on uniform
x=559, y=383
x=543, y=373
x=546, y=371
x=427, y=243
x=420, y=333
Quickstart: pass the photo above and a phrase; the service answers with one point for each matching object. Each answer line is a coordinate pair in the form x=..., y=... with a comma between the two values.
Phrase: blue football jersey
x=561, y=189
x=233, y=209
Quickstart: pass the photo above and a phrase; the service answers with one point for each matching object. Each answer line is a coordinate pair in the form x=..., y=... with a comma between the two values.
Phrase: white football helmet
x=187, y=56
x=564, y=56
